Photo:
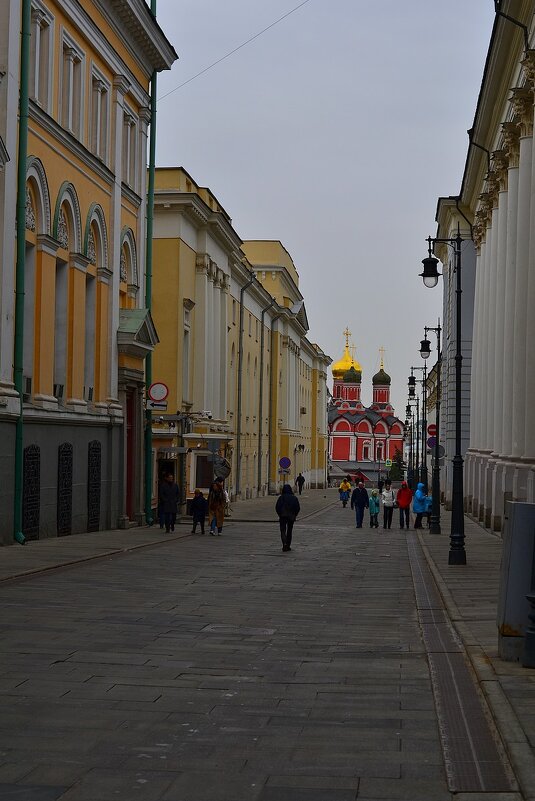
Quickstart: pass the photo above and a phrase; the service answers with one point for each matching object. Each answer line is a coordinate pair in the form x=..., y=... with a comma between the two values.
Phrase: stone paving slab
x=293, y=672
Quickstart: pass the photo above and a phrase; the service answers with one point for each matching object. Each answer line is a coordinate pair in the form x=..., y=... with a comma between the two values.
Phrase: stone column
x=76, y=332
x=500, y=162
x=120, y=88
x=45, y=292
x=473, y=455
x=523, y=106
x=200, y=341
x=529, y=418
x=511, y=136
x=485, y=210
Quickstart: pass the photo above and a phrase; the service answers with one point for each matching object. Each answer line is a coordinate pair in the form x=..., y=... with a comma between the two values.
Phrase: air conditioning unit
x=58, y=391
x=26, y=388
x=303, y=409
x=88, y=393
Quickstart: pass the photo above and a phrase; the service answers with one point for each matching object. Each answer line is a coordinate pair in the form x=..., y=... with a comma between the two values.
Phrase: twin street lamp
x=425, y=352
x=430, y=275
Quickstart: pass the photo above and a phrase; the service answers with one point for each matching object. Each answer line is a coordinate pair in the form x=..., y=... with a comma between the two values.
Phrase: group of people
x=389, y=499
x=214, y=506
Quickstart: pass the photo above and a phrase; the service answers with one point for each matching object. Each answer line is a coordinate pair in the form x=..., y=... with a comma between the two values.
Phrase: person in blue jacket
x=419, y=505
x=374, y=508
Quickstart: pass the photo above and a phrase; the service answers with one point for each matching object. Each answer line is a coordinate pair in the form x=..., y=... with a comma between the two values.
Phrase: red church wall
x=340, y=449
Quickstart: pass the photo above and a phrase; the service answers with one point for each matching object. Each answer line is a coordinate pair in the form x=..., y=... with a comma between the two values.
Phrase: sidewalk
x=34, y=557
x=470, y=593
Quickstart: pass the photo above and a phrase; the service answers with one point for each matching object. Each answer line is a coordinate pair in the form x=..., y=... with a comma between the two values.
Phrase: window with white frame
x=129, y=148
x=100, y=101
x=41, y=55
x=72, y=87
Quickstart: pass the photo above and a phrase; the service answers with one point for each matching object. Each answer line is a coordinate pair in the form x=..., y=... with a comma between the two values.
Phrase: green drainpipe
x=148, y=288
x=21, y=257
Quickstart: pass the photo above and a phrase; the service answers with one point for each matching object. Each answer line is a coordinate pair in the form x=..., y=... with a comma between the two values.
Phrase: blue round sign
x=285, y=462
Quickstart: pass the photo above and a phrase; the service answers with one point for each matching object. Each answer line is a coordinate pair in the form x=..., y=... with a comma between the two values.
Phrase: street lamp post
x=425, y=352
x=421, y=425
x=430, y=274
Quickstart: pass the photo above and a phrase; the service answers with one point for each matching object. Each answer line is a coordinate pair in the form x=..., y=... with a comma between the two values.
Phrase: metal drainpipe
x=18, y=361
x=148, y=287
x=240, y=367
x=261, y=395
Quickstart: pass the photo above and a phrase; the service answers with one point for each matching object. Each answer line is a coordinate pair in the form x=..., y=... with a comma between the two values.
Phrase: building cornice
x=146, y=40
x=200, y=215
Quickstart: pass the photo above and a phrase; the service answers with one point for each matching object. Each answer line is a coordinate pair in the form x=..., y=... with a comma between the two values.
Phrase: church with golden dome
x=361, y=438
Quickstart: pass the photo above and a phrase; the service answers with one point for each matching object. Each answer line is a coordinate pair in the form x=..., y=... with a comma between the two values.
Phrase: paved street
x=220, y=669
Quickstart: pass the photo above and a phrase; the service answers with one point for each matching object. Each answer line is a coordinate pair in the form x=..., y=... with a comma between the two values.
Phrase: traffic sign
x=431, y=442
x=432, y=430
x=157, y=405
x=158, y=391
x=285, y=462
x=440, y=462
x=388, y=463
x=441, y=451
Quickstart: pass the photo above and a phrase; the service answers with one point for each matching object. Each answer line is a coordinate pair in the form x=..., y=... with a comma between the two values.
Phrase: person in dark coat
x=169, y=496
x=199, y=510
x=300, y=482
x=287, y=508
x=359, y=502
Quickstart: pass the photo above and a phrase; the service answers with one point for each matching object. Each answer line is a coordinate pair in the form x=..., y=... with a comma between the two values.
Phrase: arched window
x=128, y=269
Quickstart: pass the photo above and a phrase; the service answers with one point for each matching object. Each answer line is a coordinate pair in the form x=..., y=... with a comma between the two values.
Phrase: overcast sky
x=335, y=132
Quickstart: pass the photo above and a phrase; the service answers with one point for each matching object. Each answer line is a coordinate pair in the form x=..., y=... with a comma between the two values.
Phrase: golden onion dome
x=341, y=367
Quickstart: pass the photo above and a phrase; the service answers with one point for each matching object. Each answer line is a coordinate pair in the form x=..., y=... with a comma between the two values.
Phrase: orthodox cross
x=347, y=334
x=382, y=352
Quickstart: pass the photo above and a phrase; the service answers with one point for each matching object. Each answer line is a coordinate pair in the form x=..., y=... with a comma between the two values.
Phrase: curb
x=513, y=737
x=114, y=552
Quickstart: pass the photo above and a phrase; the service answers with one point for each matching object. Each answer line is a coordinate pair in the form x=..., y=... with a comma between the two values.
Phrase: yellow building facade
x=86, y=331
x=244, y=382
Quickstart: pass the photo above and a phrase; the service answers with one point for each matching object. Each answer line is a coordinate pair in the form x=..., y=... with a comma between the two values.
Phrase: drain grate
x=471, y=755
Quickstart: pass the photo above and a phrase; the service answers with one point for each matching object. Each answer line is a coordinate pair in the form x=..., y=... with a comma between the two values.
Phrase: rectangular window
x=100, y=94
x=233, y=312
x=129, y=148
x=204, y=472
x=185, y=366
x=71, y=87
x=41, y=55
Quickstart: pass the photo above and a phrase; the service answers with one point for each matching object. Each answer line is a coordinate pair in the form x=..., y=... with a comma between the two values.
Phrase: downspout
x=18, y=361
x=148, y=287
x=261, y=396
x=240, y=368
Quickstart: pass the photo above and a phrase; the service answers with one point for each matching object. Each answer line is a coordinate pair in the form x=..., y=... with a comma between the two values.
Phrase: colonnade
x=501, y=458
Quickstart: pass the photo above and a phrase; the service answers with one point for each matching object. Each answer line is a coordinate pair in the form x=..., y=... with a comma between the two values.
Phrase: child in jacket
x=374, y=508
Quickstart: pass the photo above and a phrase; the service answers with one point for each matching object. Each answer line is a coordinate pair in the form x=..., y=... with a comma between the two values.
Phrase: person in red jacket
x=403, y=500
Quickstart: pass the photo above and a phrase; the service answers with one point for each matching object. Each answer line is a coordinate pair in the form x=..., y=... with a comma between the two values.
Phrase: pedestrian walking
x=216, y=506
x=403, y=500
x=287, y=508
x=359, y=502
x=168, y=497
x=300, y=483
x=374, y=508
x=344, y=490
x=199, y=510
x=388, y=497
x=419, y=505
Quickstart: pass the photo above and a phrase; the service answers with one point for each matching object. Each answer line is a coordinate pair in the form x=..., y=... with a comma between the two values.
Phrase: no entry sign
x=432, y=430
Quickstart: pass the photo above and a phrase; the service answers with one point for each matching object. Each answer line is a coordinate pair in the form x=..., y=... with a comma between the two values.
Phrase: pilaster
x=45, y=292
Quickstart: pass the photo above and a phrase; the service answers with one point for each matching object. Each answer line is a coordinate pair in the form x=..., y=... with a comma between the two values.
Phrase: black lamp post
x=423, y=422
x=425, y=352
x=430, y=275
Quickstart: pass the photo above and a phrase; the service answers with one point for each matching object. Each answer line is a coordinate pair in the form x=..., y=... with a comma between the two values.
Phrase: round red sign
x=432, y=430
